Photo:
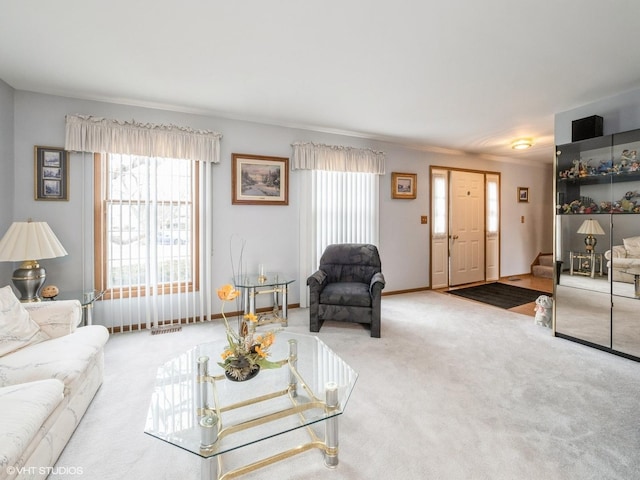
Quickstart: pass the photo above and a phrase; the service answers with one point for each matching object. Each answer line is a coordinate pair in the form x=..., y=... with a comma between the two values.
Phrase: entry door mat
x=499, y=294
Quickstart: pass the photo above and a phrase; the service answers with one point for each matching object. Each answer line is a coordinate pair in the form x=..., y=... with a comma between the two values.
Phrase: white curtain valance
x=85, y=133
x=312, y=156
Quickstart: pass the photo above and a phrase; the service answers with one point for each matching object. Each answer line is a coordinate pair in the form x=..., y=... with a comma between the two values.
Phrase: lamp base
x=590, y=243
x=28, y=279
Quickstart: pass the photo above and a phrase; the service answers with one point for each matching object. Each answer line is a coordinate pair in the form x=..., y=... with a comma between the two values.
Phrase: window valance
x=85, y=133
x=312, y=156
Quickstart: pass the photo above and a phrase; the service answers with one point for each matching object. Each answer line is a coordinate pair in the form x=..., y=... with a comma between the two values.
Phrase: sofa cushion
x=65, y=358
x=353, y=294
x=17, y=329
x=23, y=410
x=632, y=246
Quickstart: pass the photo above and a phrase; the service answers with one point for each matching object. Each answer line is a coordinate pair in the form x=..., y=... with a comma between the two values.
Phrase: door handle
x=454, y=237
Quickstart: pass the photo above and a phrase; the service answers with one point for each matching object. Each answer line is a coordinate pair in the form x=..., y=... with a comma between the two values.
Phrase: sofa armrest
x=56, y=318
x=617, y=251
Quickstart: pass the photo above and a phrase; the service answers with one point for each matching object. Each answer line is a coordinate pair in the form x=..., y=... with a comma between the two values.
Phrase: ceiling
x=461, y=75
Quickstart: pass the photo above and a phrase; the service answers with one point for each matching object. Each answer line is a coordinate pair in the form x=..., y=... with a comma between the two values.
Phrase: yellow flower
x=267, y=340
x=251, y=317
x=225, y=354
x=260, y=352
x=227, y=292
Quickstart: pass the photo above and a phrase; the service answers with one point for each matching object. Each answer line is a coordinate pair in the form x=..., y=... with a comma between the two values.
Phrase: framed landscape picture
x=259, y=180
x=404, y=185
x=51, y=173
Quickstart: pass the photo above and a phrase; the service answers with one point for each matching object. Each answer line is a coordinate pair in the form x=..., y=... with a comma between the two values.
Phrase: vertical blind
x=339, y=200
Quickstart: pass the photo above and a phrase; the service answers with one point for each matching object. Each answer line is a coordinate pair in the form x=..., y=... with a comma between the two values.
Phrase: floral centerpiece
x=247, y=350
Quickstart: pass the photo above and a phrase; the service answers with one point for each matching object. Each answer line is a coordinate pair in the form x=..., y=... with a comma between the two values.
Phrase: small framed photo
x=404, y=185
x=51, y=173
x=523, y=194
x=259, y=180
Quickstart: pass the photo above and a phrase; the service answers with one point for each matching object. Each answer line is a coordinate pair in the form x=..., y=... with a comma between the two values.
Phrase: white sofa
x=623, y=257
x=49, y=373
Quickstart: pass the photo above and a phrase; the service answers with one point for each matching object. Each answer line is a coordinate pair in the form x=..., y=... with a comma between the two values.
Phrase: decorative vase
x=239, y=369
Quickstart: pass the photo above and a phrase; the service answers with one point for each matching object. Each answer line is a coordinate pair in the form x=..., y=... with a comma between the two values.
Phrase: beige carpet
x=452, y=390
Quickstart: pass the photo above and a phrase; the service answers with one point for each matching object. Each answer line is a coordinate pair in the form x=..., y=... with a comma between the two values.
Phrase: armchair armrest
x=378, y=278
x=56, y=318
x=317, y=279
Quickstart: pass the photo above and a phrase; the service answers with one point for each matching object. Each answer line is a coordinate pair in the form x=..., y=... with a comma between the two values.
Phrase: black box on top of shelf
x=588, y=127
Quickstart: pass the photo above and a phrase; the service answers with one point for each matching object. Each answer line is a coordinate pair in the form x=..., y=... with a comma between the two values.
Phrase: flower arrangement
x=247, y=350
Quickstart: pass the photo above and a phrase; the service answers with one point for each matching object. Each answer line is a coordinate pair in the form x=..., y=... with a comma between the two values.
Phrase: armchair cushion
x=354, y=294
x=17, y=328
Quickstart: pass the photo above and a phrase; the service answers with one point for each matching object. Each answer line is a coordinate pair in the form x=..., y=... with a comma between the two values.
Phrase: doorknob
x=455, y=237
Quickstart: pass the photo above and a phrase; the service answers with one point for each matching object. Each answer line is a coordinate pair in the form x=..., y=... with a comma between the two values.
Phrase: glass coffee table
x=195, y=407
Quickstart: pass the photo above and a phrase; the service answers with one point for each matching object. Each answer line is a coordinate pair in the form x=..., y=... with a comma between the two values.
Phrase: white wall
x=272, y=231
x=6, y=167
x=620, y=113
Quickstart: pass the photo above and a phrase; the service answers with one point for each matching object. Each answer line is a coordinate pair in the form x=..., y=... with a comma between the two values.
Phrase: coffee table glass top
x=270, y=279
x=173, y=414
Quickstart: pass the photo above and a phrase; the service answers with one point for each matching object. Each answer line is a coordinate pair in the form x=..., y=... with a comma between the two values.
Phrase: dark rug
x=499, y=294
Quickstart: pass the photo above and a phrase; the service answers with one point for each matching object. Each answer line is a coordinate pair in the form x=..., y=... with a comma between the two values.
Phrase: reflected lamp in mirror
x=28, y=242
x=590, y=228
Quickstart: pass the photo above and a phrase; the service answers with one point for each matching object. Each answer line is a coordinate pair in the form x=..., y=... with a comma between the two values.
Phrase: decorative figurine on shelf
x=627, y=204
x=50, y=292
x=629, y=155
x=605, y=167
x=544, y=303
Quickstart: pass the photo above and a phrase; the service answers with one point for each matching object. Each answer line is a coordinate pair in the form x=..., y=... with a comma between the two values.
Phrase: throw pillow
x=17, y=329
x=632, y=246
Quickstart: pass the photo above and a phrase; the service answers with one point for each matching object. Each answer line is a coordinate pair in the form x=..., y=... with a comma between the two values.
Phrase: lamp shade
x=30, y=241
x=591, y=227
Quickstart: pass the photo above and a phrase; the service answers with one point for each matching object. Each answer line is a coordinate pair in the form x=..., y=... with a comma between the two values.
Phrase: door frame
x=486, y=174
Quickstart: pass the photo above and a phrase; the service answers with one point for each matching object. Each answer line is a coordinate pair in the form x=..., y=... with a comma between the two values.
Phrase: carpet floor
x=499, y=294
x=453, y=390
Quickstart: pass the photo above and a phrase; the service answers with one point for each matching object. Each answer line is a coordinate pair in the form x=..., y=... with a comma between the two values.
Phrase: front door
x=466, y=231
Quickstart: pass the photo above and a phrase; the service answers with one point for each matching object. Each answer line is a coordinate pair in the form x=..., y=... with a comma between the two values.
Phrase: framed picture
x=51, y=173
x=404, y=185
x=523, y=194
x=259, y=180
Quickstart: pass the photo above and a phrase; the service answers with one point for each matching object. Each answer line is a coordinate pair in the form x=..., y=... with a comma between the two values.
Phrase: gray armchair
x=347, y=287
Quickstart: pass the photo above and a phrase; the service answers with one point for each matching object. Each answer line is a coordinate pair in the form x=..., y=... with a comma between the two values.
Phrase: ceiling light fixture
x=522, y=144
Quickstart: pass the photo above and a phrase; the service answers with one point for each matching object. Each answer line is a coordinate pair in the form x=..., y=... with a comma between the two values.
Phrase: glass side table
x=270, y=282
x=585, y=263
x=86, y=299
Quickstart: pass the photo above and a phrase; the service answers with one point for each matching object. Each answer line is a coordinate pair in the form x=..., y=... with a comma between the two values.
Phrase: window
x=439, y=203
x=145, y=225
x=493, y=205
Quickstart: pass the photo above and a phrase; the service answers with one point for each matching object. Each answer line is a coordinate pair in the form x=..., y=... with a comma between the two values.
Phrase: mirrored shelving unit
x=597, y=295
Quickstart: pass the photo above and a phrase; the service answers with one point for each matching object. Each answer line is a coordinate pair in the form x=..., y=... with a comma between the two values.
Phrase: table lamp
x=590, y=228
x=26, y=242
